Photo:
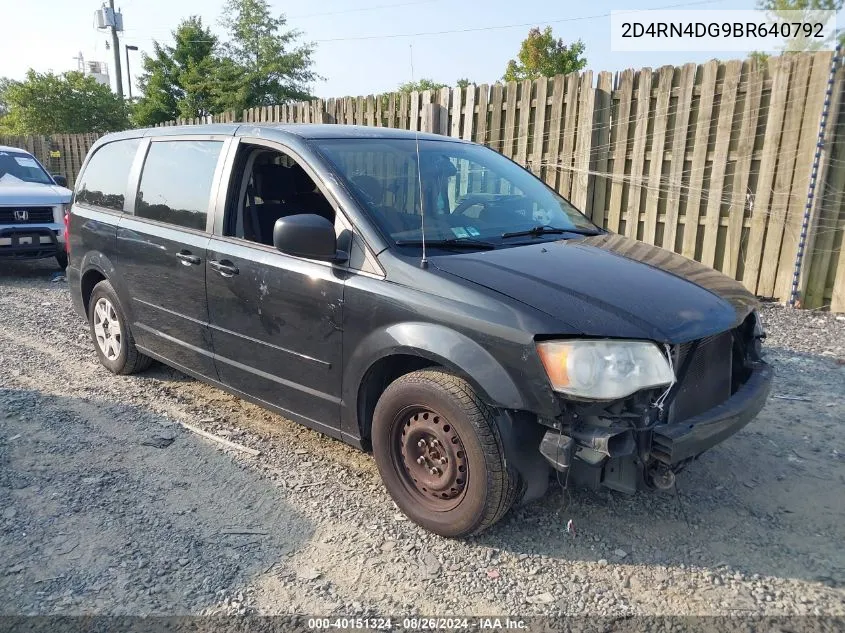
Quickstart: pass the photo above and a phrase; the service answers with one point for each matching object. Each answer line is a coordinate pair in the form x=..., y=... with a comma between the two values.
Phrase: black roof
x=325, y=130
x=280, y=130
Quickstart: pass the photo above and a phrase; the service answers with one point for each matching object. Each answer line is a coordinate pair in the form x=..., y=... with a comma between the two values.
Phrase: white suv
x=32, y=208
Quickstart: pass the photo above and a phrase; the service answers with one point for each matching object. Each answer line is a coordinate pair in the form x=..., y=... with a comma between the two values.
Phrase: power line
x=328, y=13
x=479, y=28
x=359, y=9
x=503, y=26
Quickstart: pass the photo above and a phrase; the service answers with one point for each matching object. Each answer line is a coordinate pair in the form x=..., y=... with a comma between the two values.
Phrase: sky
x=362, y=46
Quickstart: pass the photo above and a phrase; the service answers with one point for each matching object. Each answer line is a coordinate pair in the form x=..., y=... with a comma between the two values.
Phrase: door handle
x=187, y=258
x=224, y=267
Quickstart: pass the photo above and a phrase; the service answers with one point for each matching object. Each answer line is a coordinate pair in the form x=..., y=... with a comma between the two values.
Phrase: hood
x=31, y=193
x=610, y=286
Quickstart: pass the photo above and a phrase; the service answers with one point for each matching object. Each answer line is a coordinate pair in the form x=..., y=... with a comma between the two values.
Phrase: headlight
x=604, y=370
x=63, y=209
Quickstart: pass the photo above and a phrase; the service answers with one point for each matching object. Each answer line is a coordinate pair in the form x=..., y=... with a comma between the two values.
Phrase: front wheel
x=438, y=450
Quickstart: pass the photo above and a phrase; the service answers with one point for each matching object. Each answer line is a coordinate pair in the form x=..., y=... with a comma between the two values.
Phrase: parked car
x=33, y=203
x=414, y=294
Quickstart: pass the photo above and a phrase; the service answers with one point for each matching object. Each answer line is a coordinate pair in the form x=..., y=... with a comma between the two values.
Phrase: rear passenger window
x=176, y=182
x=103, y=183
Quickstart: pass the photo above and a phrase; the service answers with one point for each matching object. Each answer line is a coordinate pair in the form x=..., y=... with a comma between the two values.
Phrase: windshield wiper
x=536, y=231
x=450, y=242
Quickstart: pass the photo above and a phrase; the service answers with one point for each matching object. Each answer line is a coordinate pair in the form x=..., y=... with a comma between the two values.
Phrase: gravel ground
x=94, y=518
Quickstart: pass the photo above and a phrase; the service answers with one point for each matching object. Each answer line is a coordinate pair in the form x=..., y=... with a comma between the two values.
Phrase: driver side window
x=268, y=185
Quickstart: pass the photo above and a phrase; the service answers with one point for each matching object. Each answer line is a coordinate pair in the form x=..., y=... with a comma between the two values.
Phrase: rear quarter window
x=104, y=181
x=176, y=182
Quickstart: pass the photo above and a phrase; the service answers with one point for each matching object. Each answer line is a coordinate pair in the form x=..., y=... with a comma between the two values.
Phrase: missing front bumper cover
x=674, y=443
x=605, y=456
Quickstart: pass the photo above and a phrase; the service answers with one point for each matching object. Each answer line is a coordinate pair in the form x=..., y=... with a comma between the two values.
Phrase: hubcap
x=433, y=458
x=107, y=328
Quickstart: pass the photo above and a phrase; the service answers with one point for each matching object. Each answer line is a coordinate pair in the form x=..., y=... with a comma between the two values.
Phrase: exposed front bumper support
x=671, y=444
x=674, y=443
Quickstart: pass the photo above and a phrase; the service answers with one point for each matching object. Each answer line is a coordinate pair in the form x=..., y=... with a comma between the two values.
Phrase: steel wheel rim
x=424, y=440
x=107, y=331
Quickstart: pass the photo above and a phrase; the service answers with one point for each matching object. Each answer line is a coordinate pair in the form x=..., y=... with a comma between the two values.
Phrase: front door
x=275, y=319
x=161, y=251
x=276, y=326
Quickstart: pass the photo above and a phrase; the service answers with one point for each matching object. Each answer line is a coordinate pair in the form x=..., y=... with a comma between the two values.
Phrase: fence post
x=811, y=187
x=431, y=117
x=443, y=127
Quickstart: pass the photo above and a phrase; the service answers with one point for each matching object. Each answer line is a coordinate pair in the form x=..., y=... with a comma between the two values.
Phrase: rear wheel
x=112, y=337
x=438, y=450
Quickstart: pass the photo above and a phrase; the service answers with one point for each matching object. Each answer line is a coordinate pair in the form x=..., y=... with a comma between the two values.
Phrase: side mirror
x=60, y=180
x=307, y=235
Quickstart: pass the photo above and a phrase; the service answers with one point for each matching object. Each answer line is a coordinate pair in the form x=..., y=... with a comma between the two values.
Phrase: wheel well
x=90, y=279
x=378, y=377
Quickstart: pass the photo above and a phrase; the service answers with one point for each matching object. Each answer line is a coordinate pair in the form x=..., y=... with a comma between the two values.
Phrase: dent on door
x=276, y=329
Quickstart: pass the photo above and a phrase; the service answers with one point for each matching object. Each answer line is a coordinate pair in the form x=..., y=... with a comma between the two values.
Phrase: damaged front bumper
x=676, y=443
x=626, y=458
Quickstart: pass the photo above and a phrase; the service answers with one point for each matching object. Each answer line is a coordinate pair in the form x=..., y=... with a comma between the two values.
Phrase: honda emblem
x=21, y=215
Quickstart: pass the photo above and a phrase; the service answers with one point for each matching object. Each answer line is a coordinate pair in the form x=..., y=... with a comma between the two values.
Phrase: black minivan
x=414, y=294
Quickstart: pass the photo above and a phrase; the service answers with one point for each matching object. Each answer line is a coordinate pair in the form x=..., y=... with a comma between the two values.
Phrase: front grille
x=708, y=379
x=33, y=215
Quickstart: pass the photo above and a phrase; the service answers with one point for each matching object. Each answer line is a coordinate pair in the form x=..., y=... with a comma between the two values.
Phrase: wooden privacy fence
x=712, y=161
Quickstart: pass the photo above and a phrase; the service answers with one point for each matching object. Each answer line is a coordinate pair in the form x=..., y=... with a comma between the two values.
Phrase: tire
x=113, y=340
x=61, y=259
x=472, y=486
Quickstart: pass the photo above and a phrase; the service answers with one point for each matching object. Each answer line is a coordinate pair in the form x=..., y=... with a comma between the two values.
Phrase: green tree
x=541, y=55
x=178, y=80
x=5, y=82
x=159, y=92
x=420, y=85
x=194, y=56
x=780, y=11
x=69, y=103
x=463, y=83
x=4, y=106
x=262, y=64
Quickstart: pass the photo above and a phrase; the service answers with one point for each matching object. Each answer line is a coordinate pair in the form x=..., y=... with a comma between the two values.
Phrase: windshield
x=17, y=167
x=469, y=193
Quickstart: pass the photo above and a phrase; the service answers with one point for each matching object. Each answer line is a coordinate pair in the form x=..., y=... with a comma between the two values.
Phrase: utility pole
x=115, y=44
